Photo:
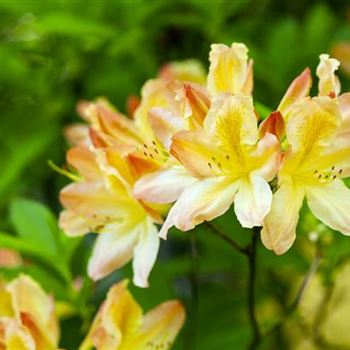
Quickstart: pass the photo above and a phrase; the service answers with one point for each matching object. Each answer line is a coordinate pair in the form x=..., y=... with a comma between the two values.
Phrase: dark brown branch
x=251, y=290
x=213, y=228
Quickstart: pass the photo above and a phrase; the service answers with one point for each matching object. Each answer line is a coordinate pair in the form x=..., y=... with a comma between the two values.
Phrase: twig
x=213, y=228
x=251, y=290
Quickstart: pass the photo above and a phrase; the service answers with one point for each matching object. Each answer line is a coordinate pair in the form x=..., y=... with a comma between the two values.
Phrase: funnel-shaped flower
x=121, y=325
x=27, y=317
x=100, y=201
x=230, y=164
x=317, y=157
x=230, y=72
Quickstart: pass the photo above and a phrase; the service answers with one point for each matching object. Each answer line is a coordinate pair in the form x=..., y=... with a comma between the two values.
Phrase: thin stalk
x=214, y=229
x=251, y=290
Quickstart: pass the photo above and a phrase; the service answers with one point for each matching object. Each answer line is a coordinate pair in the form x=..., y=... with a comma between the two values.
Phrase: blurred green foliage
x=54, y=53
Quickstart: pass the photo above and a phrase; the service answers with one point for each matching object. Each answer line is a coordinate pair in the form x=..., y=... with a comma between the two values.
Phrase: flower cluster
x=194, y=145
x=28, y=320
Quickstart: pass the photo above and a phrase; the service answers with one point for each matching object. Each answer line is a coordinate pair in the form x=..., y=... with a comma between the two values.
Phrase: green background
x=54, y=53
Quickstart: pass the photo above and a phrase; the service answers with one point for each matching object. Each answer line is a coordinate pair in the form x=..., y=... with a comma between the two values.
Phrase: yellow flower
x=121, y=325
x=316, y=159
x=229, y=163
x=100, y=201
x=27, y=317
x=230, y=72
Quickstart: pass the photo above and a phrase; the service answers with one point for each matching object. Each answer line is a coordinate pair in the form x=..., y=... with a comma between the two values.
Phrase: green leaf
x=35, y=223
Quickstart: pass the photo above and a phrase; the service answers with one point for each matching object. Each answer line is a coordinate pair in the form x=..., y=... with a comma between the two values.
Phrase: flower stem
x=251, y=290
x=216, y=230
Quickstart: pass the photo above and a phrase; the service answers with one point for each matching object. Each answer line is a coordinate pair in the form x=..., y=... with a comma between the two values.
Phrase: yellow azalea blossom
x=27, y=317
x=230, y=71
x=121, y=325
x=316, y=159
x=188, y=70
x=100, y=201
x=229, y=163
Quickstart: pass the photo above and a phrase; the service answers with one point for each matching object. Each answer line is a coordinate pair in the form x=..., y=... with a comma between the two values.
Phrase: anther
x=154, y=143
x=144, y=145
x=340, y=171
x=227, y=157
x=145, y=153
x=209, y=164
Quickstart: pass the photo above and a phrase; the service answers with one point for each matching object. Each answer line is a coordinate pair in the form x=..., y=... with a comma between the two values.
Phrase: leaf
x=35, y=224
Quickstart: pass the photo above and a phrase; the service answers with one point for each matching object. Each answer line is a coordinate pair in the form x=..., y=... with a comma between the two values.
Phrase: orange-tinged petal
x=194, y=150
x=329, y=84
x=77, y=134
x=9, y=258
x=228, y=69
x=82, y=159
x=116, y=322
x=142, y=164
x=35, y=309
x=132, y=103
x=18, y=337
x=330, y=202
x=273, y=124
x=297, y=90
x=278, y=233
x=198, y=101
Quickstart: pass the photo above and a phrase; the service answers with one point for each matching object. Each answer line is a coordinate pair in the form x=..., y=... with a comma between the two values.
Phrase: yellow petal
x=35, y=309
x=165, y=123
x=118, y=320
x=312, y=125
x=160, y=327
x=278, y=233
x=330, y=203
x=17, y=337
x=328, y=82
x=203, y=201
x=297, y=90
x=232, y=123
x=228, y=69
x=6, y=309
